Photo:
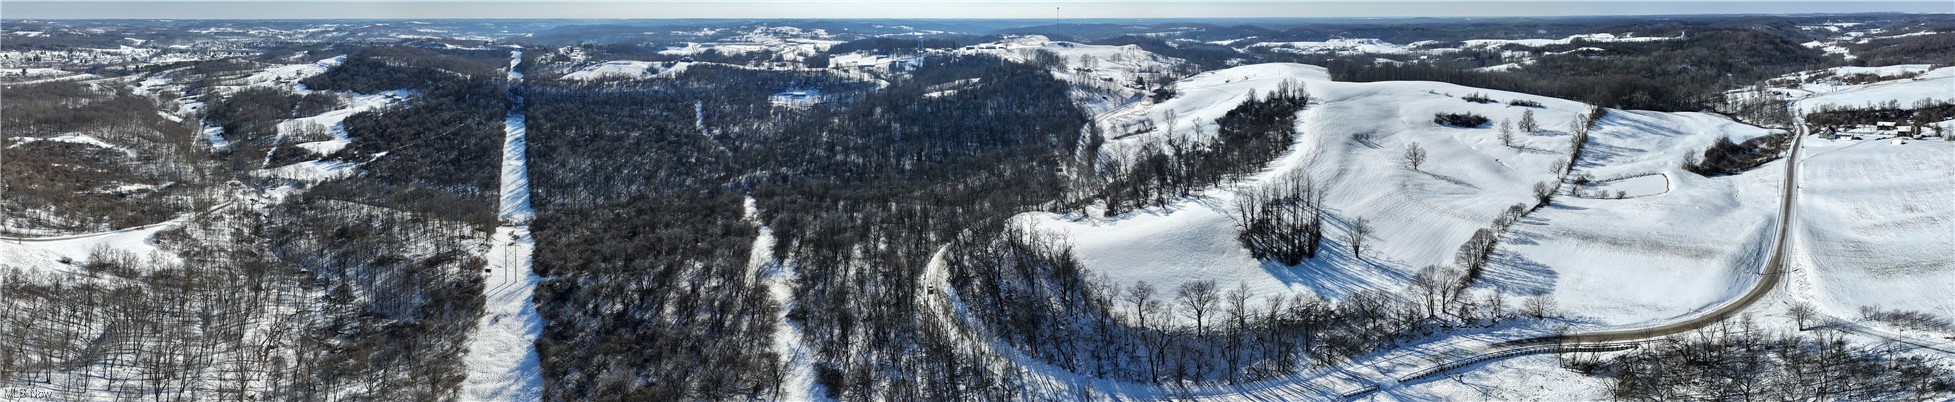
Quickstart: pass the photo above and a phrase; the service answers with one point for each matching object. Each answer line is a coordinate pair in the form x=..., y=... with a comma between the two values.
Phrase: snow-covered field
x=1421, y=217
x=1653, y=258
x=1710, y=232
x=312, y=171
x=1876, y=226
x=1590, y=37
x=1103, y=77
x=335, y=121
x=74, y=138
x=287, y=76
x=1528, y=378
x=1336, y=46
x=66, y=254
x=1937, y=85
x=1634, y=186
x=630, y=69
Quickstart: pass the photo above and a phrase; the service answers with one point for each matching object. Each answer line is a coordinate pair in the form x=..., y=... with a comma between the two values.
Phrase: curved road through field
x=937, y=297
x=1771, y=275
x=1769, y=278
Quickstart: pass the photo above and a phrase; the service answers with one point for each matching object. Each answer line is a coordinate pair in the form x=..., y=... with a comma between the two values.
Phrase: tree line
x=1246, y=138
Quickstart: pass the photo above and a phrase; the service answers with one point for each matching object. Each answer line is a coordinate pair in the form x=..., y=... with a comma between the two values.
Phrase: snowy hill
x=1876, y=224
x=1918, y=84
x=1691, y=244
x=1103, y=77
x=1578, y=250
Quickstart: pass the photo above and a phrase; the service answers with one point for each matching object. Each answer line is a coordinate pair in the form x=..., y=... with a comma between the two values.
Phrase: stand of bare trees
x=1026, y=289
x=1246, y=138
x=336, y=310
x=1281, y=221
x=1742, y=362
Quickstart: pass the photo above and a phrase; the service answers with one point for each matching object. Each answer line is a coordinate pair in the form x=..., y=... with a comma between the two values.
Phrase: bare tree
x=1528, y=124
x=1496, y=305
x=1474, y=255
x=1414, y=156
x=1539, y=307
x=1170, y=119
x=1431, y=284
x=1543, y=192
x=1198, y=298
x=1360, y=228
x=1506, y=133
x=1239, y=314
x=1801, y=312
x=1140, y=295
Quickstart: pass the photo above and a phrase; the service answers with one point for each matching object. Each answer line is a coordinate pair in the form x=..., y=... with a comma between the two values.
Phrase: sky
x=604, y=9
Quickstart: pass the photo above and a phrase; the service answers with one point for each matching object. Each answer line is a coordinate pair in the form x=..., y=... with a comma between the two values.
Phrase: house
x=1884, y=126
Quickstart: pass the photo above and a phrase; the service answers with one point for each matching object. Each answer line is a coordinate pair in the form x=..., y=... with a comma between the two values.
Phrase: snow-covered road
x=502, y=361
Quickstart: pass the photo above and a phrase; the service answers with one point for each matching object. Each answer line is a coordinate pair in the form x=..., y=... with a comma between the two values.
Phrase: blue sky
x=14, y=9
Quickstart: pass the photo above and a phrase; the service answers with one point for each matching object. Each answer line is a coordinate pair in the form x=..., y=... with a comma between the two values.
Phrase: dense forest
x=649, y=220
x=357, y=289
x=1688, y=74
x=862, y=197
x=442, y=147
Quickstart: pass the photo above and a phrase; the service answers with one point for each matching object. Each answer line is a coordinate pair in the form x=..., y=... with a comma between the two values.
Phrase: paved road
x=1773, y=271
x=1769, y=279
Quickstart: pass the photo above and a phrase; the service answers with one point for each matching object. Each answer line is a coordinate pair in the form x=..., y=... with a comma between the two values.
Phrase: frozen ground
x=1876, y=226
x=1590, y=37
x=1335, y=46
x=1527, y=378
x=501, y=360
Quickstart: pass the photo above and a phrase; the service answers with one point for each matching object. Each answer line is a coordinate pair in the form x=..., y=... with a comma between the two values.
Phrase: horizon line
x=935, y=10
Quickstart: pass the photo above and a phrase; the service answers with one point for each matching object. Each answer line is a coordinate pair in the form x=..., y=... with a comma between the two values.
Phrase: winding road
x=1769, y=278
x=938, y=298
